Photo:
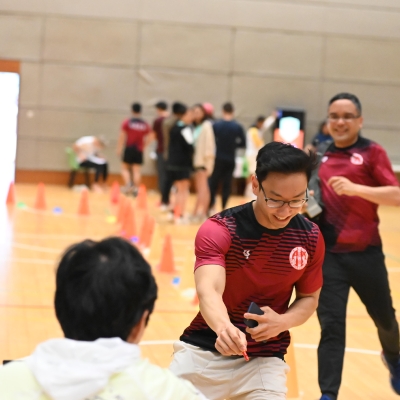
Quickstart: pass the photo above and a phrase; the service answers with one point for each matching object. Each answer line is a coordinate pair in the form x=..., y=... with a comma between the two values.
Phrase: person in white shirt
x=87, y=149
x=104, y=297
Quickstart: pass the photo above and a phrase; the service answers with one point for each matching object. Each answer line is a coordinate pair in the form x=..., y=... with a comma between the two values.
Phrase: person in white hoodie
x=104, y=297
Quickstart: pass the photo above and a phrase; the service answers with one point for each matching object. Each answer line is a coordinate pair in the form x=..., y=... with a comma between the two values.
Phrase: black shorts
x=132, y=155
x=179, y=175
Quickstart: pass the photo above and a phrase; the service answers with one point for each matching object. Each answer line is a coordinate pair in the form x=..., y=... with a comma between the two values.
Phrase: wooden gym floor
x=31, y=243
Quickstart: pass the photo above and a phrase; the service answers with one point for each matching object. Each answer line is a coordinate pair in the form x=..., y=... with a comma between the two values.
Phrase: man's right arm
x=210, y=284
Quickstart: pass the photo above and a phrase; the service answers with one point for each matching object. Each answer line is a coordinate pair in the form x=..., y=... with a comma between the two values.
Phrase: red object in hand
x=246, y=357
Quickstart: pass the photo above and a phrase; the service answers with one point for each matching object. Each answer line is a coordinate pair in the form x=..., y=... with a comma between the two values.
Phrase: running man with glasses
x=257, y=252
x=355, y=176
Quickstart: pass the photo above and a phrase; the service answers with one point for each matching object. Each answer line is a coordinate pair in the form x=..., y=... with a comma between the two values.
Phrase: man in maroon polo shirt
x=257, y=252
x=355, y=177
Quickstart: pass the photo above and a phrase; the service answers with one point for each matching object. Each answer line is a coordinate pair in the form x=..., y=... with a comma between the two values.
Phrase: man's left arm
x=384, y=195
x=271, y=324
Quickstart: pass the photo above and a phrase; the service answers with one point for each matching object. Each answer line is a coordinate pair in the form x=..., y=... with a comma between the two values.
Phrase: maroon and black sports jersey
x=350, y=223
x=136, y=129
x=262, y=265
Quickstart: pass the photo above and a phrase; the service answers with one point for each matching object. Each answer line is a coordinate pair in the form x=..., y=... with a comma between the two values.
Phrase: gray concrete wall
x=84, y=62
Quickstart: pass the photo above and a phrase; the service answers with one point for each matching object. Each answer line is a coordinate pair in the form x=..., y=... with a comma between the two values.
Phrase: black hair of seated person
x=284, y=158
x=102, y=289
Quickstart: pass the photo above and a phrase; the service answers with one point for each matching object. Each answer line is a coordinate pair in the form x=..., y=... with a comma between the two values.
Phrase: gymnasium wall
x=84, y=61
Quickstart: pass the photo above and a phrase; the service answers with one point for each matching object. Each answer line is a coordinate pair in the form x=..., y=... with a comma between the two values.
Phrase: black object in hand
x=253, y=309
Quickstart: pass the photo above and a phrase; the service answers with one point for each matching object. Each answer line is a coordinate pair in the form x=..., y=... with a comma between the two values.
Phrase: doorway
x=9, y=102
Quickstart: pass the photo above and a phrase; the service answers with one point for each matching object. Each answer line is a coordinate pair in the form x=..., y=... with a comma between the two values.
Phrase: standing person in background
x=162, y=113
x=229, y=136
x=254, y=142
x=321, y=138
x=167, y=124
x=209, y=110
x=87, y=150
x=356, y=176
x=255, y=139
x=133, y=132
x=203, y=161
x=179, y=165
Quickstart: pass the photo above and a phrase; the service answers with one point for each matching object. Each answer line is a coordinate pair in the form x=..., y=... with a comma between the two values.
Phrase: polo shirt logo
x=357, y=159
x=298, y=258
x=246, y=253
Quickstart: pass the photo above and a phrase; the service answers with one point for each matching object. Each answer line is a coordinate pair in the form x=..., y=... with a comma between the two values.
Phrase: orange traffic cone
x=141, y=200
x=167, y=257
x=40, y=202
x=177, y=211
x=11, y=194
x=146, y=233
x=123, y=203
x=115, y=193
x=83, y=208
x=129, y=224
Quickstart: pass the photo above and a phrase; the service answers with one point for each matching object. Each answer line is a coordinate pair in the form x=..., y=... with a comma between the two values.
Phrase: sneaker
x=164, y=207
x=394, y=373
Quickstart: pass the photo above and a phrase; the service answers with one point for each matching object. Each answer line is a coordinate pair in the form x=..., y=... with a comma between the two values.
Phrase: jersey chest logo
x=356, y=159
x=298, y=258
x=246, y=254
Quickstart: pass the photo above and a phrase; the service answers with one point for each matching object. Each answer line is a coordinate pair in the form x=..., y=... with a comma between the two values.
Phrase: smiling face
x=278, y=186
x=344, y=122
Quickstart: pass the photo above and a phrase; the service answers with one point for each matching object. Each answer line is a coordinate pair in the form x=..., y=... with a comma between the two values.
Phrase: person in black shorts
x=179, y=164
x=133, y=132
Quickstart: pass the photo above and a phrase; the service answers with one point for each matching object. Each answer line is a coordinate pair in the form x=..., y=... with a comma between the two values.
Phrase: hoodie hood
x=69, y=369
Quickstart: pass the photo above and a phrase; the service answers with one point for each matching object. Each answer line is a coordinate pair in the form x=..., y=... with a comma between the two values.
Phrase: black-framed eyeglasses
x=272, y=203
x=346, y=118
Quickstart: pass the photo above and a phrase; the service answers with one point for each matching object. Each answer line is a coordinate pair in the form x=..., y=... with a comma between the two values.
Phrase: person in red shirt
x=355, y=177
x=257, y=252
x=132, y=135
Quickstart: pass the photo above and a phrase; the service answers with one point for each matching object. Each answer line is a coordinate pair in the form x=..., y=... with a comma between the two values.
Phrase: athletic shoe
x=325, y=397
x=394, y=370
x=164, y=207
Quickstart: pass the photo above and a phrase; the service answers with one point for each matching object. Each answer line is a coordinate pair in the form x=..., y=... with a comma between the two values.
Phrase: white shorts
x=219, y=377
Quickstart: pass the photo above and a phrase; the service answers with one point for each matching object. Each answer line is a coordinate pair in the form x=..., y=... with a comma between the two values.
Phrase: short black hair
x=283, y=158
x=177, y=108
x=347, y=96
x=228, y=108
x=161, y=105
x=102, y=289
x=136, y=108
x=260, y=118
x=180, y=109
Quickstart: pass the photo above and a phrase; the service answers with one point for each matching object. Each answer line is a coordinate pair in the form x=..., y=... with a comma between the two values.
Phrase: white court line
x=62, y=214
x=31, y=261
x=36, y=248
x=54, y=236
x=298, y=345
